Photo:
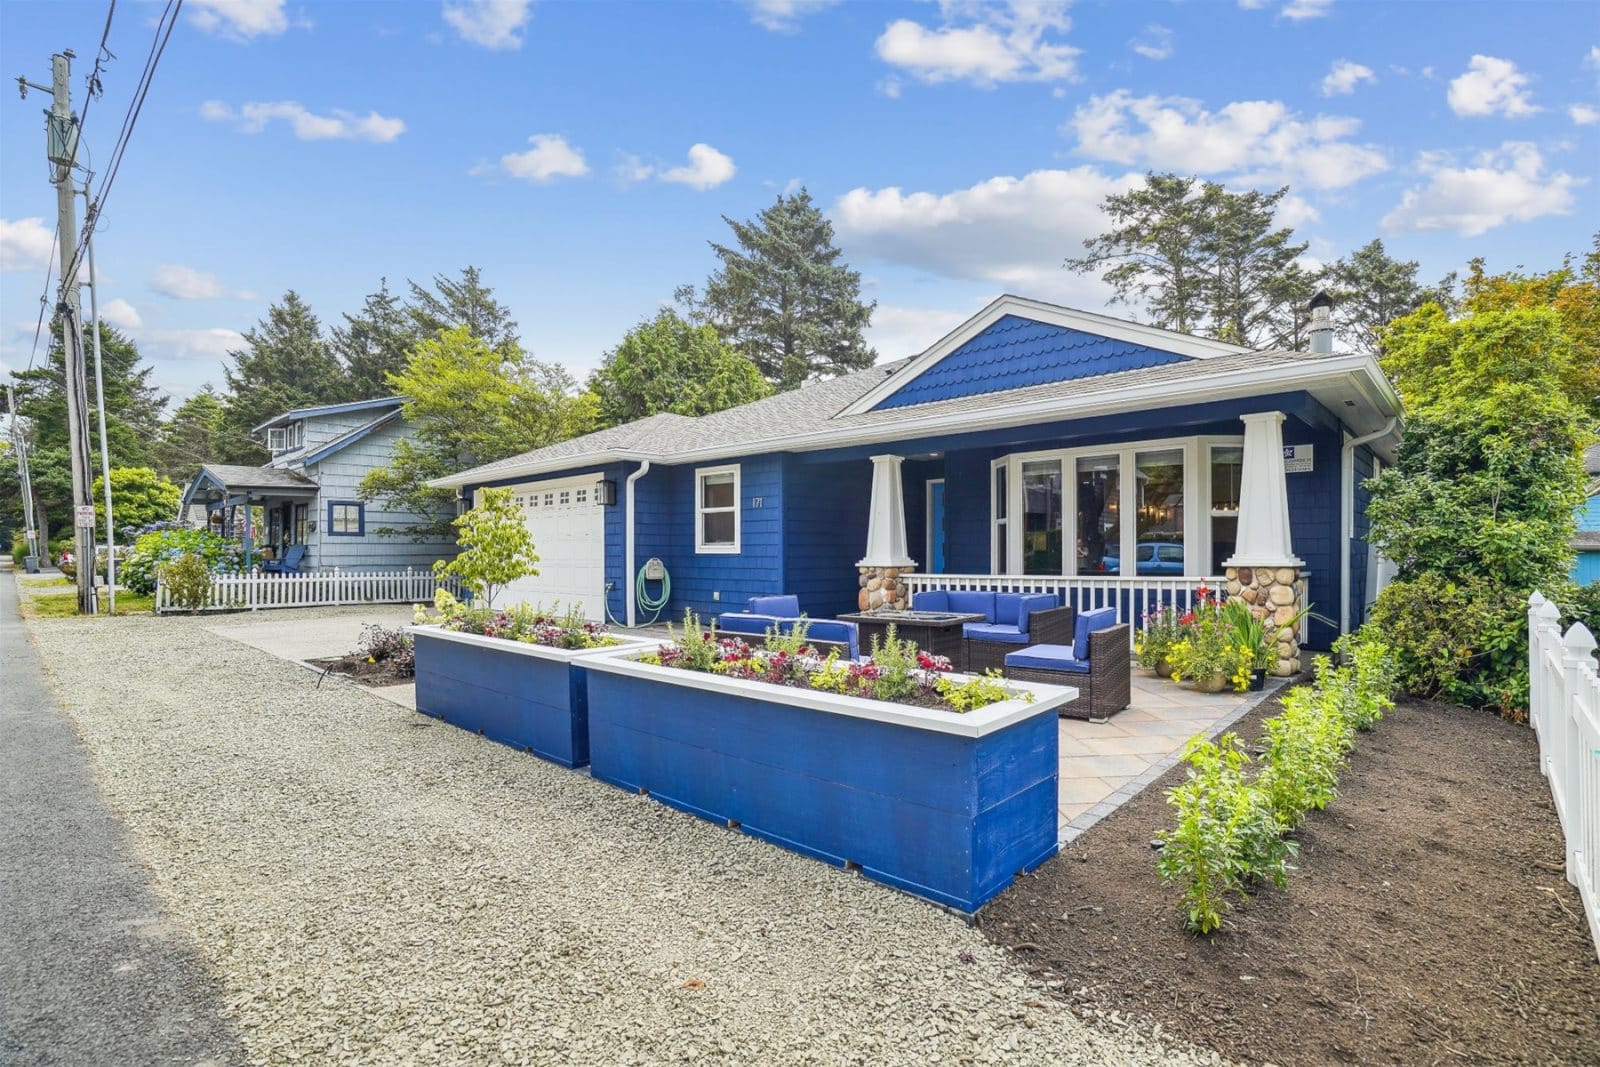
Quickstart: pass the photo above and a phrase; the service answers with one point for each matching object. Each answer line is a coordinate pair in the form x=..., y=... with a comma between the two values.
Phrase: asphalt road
x=90, y=973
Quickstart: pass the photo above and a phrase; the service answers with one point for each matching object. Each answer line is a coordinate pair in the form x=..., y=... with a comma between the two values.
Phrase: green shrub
x=1580, y=603
x=899, y=674
x=1465, y=642
x=168, y=541
x=977, y=692
x=1306, y=747
x=188, y=581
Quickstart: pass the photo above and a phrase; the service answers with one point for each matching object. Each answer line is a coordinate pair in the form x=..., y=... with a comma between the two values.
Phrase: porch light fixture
x=605, y=493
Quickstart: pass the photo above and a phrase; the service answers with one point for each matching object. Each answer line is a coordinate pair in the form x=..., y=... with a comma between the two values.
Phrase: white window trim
x=1196, y=487
x=700, y=511
x=998, y=527
x=279, y=435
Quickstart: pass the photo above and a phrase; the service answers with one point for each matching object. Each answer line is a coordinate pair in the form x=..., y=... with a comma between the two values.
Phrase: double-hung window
x=716, y=519
x=346, y=518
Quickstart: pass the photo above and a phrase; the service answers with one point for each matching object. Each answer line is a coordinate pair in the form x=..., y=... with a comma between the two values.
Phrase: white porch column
x=1263, y=570
x=886, y=557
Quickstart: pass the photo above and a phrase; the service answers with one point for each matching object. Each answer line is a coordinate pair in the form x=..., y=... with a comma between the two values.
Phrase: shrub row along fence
x=251, y=592
x=1564, y=707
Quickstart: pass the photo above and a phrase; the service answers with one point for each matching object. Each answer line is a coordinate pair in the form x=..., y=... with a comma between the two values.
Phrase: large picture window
x=1099, y=515
x=716, y=491
x=1041, y=517
x=1159, y=545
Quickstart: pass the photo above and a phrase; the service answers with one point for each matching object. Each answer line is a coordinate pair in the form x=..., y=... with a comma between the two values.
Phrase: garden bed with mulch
x=362, y=671
x=1428, y=919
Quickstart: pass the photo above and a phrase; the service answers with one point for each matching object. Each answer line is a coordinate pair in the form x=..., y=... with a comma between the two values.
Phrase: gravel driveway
x=372, y=886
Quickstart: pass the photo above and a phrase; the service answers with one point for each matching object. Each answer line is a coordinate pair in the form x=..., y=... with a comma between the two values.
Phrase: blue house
x=1586, y=542
x=1034, y=447
x=306, y=495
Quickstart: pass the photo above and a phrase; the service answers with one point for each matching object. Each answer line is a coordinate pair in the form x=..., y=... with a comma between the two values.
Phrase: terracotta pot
x=1164, y=667
x=1214, y=683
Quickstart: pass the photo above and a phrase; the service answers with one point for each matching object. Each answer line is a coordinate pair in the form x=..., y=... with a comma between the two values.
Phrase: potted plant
x=1251, y=632
x=1158, y=631
x=1210, y=653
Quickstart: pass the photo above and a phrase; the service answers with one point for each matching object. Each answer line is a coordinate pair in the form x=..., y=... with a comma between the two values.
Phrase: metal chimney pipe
x=1322, y=322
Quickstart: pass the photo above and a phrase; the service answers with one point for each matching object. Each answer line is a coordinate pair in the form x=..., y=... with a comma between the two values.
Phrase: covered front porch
x=267, y=509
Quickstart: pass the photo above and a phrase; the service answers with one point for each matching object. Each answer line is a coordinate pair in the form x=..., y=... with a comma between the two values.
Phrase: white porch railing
x=1564, y=708
x=250, y=592
x=1132, y=597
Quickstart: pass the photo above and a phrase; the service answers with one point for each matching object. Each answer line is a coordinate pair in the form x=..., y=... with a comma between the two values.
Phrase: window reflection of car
x=1155, y=559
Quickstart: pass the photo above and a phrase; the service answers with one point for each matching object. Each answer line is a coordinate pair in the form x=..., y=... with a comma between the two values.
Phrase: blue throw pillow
x=1090, y=622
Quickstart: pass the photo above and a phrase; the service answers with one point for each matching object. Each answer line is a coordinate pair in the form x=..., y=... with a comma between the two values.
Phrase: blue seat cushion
x=1013, y=609
x=969, y=602
x=1092, y=622
x=786, y=606
x=742, y=622
x=835, y=633
x=1048, y=658
x=994, y=631
x=932, y=600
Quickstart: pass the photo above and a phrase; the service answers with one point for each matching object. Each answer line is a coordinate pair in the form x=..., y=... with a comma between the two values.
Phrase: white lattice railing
x=1564, y=708
x=249, y=592
x=1132, y=597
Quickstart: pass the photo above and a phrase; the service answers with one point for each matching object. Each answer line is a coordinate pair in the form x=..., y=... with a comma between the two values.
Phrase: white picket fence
x=250, y=592
x=1564, y=707
x=1132, y=597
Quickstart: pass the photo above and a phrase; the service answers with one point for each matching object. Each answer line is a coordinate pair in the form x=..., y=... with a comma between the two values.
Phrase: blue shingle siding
x=825, y=514
x=1016, y=352
x=1314, y=524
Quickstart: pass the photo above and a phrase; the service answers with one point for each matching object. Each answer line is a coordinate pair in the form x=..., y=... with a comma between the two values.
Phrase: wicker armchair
x=1106, y=689
x=1050, y=627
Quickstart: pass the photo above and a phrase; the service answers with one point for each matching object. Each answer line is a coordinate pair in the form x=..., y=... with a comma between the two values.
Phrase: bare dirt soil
x=1428, y=920
x=357, y=668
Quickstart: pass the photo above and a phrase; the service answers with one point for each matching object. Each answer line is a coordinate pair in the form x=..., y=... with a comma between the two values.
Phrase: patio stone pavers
x=1103, y=765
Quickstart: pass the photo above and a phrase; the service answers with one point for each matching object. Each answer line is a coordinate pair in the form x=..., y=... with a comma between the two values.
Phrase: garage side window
x=716, y=494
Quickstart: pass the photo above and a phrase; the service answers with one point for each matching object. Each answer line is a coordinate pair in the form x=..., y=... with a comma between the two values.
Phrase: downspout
x=1347, y=510
x=627, y=540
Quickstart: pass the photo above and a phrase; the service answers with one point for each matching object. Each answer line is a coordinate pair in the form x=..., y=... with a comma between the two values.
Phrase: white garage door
x=568, y=530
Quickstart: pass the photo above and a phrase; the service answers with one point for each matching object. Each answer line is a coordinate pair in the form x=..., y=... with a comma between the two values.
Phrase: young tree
x=469, y=404
x=285, y=365
x=467, y=302
x=667, y=364
x=1372, y=290
x=373, y=344
x=139, y=496
x=783, y=298
x=496, y=547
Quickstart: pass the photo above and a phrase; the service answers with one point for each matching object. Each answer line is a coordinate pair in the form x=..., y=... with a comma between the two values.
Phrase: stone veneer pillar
x=1264, y=572
x=881, y=588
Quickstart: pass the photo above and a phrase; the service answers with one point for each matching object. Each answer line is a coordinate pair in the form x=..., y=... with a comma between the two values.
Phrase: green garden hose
x=644, y=598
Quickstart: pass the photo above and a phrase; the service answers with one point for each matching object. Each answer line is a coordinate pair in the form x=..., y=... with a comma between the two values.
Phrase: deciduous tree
x=496, y=547
x=139, y=496
x=668, y=365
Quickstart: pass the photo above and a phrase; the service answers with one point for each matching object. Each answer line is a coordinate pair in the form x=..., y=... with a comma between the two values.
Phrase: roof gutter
x=1347, y=509
x=1246, y=381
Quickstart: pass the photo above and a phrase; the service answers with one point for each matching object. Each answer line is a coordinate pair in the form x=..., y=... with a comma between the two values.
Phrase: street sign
x=83, y=515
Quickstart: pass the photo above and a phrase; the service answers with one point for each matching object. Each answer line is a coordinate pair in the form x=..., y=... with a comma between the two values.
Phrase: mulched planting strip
x=1428, y=919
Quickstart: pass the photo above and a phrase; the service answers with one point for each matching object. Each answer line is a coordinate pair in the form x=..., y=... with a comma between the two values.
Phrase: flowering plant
x=531, y=626
x=1209, y=649
x=1158, y=632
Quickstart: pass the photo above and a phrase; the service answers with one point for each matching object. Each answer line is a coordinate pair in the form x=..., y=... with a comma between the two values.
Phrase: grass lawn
x=65, y=605
x=42, y=581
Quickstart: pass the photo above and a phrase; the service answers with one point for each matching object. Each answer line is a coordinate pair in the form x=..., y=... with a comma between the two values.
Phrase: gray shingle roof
x=256, y=477
x=1591, y=459
x=818, y=409
x=1586, y=540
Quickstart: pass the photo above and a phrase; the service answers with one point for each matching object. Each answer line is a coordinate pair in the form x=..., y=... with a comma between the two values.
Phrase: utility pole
x=100, y=406
x=61, y=149
x=19, y=440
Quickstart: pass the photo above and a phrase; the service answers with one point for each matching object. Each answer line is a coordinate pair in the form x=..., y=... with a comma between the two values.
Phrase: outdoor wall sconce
x=605, y=493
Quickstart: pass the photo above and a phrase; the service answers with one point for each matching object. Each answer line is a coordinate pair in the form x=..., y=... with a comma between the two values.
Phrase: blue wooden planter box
x=948, y=807
x=526, y=696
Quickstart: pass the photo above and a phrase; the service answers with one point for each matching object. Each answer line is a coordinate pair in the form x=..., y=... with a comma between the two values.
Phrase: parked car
x=1156, y=559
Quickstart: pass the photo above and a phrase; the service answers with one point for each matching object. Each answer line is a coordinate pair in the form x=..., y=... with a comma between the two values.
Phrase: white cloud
x=784, y=16
x=1508, y=184
x=633, y=169
x=25, y=244
x=339, y=125
x=1343, y=77
x=240, y=20
x=1014, y=232
x=984, y=43
x=1154, y=43
x=1583, y=114
x=1591, y=60
x=186, y=283
x=121, y=314
x=897, y=330
x=215, y=343
x=1491, y=86
x=707, y=168
x=1258, y=139
x=1299, y=10
x=550, y=157
x=1294, y=212
x=493, y=24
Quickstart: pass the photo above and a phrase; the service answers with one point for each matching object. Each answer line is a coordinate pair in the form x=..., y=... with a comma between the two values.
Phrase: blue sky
x=583, y=154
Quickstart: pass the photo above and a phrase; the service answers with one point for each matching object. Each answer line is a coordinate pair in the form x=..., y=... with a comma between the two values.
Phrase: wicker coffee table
x=937, y=633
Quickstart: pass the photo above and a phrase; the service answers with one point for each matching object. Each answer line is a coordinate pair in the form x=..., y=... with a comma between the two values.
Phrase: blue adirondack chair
x=289, y=564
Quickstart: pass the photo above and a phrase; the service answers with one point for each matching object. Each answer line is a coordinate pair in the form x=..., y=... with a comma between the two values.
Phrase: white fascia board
x=1349, y=371
x=1179, y=344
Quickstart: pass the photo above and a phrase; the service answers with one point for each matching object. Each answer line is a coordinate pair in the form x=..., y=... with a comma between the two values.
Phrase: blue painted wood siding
x=1586, y=566
x=826, y=510
x=1015, y=352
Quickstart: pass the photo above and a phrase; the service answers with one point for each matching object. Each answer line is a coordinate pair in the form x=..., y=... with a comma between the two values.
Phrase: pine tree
x=285, y=365
x=1247, y=258
x=1371, y=290
x=373, y=344
x=783, y=298
x=468, y=303
x=191, y=437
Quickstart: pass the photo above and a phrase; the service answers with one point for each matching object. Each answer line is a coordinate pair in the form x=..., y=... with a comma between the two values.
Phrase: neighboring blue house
x=1035, y=445
x=1586, y=542
x=307, y=493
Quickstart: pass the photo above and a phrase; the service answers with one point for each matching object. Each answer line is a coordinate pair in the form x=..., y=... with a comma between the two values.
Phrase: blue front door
x=936, y=526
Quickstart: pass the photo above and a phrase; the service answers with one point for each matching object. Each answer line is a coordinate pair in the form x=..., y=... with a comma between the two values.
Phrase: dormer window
x=285, y=438
x=275, y=438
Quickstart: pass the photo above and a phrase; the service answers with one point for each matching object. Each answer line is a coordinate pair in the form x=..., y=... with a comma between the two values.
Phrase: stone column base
x=881, y=588
x=1273, y=594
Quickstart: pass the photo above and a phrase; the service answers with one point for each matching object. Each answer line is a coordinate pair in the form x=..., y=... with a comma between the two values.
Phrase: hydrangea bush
x=166, y=542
